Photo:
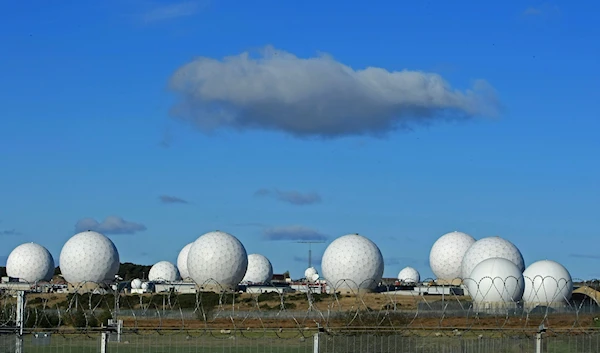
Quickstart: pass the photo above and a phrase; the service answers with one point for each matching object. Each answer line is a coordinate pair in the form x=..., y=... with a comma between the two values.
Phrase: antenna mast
x=310, y=242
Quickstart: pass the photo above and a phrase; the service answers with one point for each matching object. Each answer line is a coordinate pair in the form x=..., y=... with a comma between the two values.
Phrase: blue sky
x=107, y=106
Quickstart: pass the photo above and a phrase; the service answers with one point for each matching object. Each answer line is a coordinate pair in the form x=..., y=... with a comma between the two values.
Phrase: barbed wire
x=452, y=308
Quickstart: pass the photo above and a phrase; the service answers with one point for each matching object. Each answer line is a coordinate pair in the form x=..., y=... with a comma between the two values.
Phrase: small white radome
x=163, y=271
x=409, y=275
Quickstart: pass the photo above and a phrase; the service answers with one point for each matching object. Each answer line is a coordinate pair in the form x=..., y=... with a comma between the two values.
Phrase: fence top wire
x=269, y=309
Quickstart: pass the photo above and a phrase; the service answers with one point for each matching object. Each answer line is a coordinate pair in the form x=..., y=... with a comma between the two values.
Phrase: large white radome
x=495, y=280
x=89, y=257
x=447, y=253
x=409, y=275
x=487, y=248
x=351, y=263
x=182, y=261
x=30, y=262
x=547, y=283
x=259, y=270
x=163, y=271
x=217, y=259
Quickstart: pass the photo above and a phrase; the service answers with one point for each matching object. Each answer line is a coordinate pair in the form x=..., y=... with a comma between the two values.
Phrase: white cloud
x=317, y=96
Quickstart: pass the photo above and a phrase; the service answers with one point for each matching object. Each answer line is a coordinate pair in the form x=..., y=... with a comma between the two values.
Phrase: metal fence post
x=538, y=338
x=316, y=337
x=20, y=321
x=104, y=342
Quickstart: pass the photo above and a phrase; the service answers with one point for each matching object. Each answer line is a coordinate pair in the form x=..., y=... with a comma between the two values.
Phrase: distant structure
x=487, y=248
x=352, y=264
x=30, y=262
x=163, y=271
x=89, y=257
x=447, y=254
x=259, y=270
x=217, y=261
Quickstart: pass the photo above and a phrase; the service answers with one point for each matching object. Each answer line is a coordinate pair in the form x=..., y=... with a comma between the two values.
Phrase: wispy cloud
x=167, y=199
x=110, y=225
x=586, y=256
x=171, y=11
x=294, y=232
x=545, y=9
x=10, y=232
x=292, y=197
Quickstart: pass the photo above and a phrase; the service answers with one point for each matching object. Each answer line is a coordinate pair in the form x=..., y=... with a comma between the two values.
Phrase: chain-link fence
x=272, y=318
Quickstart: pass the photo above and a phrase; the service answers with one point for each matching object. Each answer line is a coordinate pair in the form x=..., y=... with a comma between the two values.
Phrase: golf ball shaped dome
x=259, y=269
x=352, y=263
x=163, y=271
x=30, y=262
x=89, y=257
x=487, y=248
x=217, y=259
x=446, y=255
x=182, y=261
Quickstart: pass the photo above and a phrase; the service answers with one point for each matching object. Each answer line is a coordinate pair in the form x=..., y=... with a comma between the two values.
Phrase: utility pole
x=310, y=242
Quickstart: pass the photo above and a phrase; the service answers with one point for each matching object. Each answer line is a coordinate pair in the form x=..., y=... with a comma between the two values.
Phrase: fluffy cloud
x=317, y=96
x=293, y=197
x=293, y=233
x=171, y=199
x=110, y=225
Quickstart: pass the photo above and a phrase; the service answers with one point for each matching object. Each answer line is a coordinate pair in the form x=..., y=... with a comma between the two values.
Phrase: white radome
x=495, y=280
x=163, y=271
x=487, y=248
x=409, y=275
x=447, y=253
x=30, y=262
x=89, y=257
x=217, y=259
x=136, y=283
x=259, y=269
x=351, y=263
x=182, y=261
x=145, y=285
x=311, y=274
x=547, y=282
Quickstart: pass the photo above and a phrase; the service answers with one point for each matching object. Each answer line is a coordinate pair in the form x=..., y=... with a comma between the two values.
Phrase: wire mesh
x=275, y=318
